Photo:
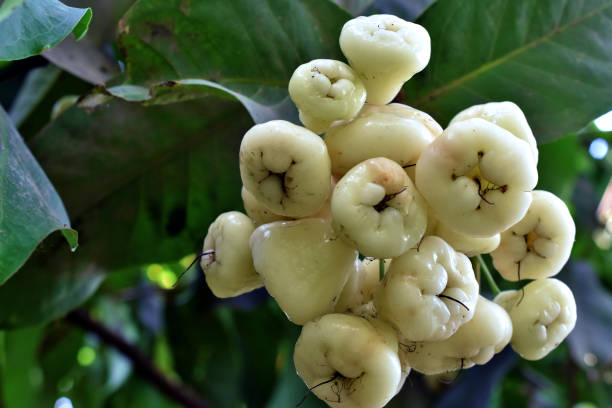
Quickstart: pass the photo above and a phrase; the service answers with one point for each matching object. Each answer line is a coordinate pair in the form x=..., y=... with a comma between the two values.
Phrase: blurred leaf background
x=137, y=126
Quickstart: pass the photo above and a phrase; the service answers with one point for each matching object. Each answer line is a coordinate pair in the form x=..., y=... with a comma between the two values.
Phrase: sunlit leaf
x=30, y=208
x=551, y=57
x=29, y=27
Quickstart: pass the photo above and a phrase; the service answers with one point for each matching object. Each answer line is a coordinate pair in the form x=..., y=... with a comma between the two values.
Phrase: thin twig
x=175, y=391
x=522, y=288
x=484, y=268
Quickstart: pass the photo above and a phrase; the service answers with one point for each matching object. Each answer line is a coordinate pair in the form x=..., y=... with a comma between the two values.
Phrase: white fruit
x=228, y=265
x=429, y=292
x=286, y=167
x=347, y=362
x=325, y=211
x=506, y=115
x=303, y=264
x=468, y=245
x=359, y=289
x=397, y=132
x=262, y=215
x=325, y=91
x=476, y=342
x=477, y=177
x=385, y=51
x=542, y=316
x=540, y=243
x=389, y=336
x=257, y=211
x=377, y=209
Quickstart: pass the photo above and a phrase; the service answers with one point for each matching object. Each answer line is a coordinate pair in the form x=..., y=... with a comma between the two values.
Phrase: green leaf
x=139, y=393
x=216, y=42
x=355, y=7
x=8, y=7
x=212, y=363
x=162, y=172
x=218, y=39
x=22, y=387
x=29, y=27
x=188, y=89
x=36, y=85
x=551, y=57
x=30, y=208
x=408, y=10
x=142, y=184
x=559, y=165
x=49, y=285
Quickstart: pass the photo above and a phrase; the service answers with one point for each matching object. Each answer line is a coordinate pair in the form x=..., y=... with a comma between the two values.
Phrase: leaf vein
x=492, y=64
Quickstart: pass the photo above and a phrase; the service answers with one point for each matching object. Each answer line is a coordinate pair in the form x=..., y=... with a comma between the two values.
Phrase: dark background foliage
x=135, y=171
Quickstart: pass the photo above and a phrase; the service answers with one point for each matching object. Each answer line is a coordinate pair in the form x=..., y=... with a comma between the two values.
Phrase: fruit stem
x=487, y=274
x=381, y=269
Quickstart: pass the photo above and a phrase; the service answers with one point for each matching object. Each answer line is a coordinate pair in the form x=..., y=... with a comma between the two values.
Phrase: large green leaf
x=560, y=164
x=234, y=43
x=355, y=7
x=408, y=10
x=30, y=208
x=142, y=185
x=50, y=284
x=551, y=57
x=22, y=384
x=188, y=89
x=89, y=58
x=247, y=51
x=29, y=27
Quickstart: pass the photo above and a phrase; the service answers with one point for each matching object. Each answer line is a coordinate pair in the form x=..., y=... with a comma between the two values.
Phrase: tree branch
x=172, y=389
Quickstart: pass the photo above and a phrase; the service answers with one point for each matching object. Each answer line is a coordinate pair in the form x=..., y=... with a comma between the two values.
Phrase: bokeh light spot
x=167, y=279
x=602, y=238
x=154, y=272
x=590, y=359
x=63, y=402
x=86, y=356
x=598, y=148
x=187, y=260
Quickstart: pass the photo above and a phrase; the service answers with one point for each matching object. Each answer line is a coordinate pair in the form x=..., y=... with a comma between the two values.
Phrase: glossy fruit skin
x=463, y=175
x=428, y=293
x=286, y=167
x=542, y=316
x=229, y=267
x=361, y=361
x=539, y=244
x=385, y=51
x=376, y=209
x=325, y=91
x=303, y=265
x=476, y=342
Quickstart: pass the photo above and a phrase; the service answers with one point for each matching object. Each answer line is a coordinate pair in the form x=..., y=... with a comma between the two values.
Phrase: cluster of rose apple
x=387, y=188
